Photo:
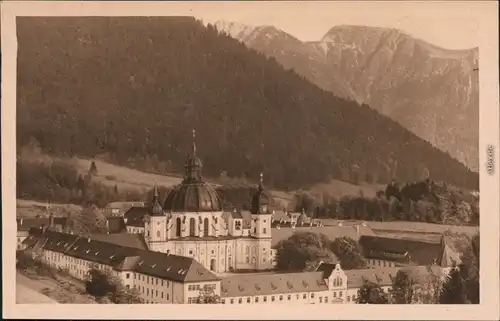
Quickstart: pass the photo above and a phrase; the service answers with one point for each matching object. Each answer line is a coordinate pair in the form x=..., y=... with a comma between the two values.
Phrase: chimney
x=51, y=220
x=88, y=240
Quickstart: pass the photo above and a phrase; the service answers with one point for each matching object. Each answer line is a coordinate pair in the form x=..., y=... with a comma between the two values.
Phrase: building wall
x=376, y=263
x=318, y=297
x=21, y=236
x=153, y=289
x=193, y=290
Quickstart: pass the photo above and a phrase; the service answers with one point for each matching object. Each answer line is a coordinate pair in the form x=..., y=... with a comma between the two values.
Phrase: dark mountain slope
x=134, y=87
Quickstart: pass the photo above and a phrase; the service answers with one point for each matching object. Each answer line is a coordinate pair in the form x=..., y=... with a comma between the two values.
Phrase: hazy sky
x=447, y=24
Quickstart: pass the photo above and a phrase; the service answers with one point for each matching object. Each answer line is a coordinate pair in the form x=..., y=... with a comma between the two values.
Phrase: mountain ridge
x=431, y=91
x=135, y=87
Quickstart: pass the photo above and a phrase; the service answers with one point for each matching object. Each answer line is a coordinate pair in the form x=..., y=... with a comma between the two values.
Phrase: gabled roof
x=327, y=268
x=381, y=276
x=25, y=224
x=247, y=219
x=157, y=264
x=414, y=252
x=331, y=231
x=124, y=205
x=123, y=239
x=420, y=274
x=275, y=283
x=135, y=212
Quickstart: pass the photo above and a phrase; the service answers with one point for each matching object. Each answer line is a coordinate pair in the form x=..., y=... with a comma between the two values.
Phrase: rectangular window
x=289, y=297
x=334, y=294
x=256, y=299
x=240, y=300
x=162, y=295
x=156, y=281
x=326, y=299
x=272, y=298
x=127, y=275
x=320, y=299
x=265, y=299
x=156, y=293
x=348, y=298
x=223, y=301
x=304, y=296
x=312, y=295
x=248, y=300
x=340, y=294
x=232, y=301
x=264, y=230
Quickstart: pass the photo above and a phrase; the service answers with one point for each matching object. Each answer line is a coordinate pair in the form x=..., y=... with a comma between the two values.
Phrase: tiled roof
x=331, y=231
x=420, y=274
x=172, y=267
x=247, y=219
x=116, y=224
x=414, y=252
x=30, y=241
x=236, y=214
x=381, y=276
x=25, y=224
x=327, y=268
x=123, y=239
x=269, y=284
x=124, y=205
x=135, y=216
x=135, y=213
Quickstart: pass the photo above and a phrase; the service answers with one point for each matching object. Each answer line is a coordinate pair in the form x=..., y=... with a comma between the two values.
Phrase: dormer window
x=237, y=225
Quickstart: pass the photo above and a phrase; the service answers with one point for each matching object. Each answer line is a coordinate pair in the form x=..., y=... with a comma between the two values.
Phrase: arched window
x=205, y=227
x=158, y=234
x=178, y=227
x=192, y=226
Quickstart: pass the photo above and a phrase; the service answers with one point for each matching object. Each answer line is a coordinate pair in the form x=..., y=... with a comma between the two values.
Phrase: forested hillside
x=134, y=87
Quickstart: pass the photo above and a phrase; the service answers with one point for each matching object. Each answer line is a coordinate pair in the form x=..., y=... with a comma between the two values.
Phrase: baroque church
x=192, y=223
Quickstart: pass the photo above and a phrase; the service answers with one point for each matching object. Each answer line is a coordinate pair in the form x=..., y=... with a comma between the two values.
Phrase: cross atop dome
x=194, y=142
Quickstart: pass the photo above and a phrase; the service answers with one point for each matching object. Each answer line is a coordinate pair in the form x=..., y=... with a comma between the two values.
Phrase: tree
x=93, y=168
x=97, y=283
x=454, y=289
x=109, y=288
x=349, y=252
x=371, y=293
x=303, y=250
x=403, y=288
x=89, y=221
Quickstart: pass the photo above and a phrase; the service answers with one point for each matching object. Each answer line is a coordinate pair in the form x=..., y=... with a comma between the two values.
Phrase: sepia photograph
x=257, y=153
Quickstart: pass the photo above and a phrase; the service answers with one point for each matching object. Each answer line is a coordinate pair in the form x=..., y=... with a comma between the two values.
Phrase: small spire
x=194, y=143
x=155, y=192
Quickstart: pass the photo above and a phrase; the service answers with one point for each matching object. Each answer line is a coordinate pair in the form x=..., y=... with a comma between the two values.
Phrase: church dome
x=193, y=197
x=261, y=200
x=193, y=194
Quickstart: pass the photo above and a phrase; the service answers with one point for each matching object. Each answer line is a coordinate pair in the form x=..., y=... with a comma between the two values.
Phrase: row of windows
x=197, y=287
x=280, y=298
x=381, y=263
x=146, y=278
x=152, y=293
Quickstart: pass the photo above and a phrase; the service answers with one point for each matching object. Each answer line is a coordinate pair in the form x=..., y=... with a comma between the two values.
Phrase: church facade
x=192, y=223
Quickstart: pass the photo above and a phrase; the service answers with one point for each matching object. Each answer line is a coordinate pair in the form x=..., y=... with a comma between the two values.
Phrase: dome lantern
x=193, y=194
x=261, y=199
